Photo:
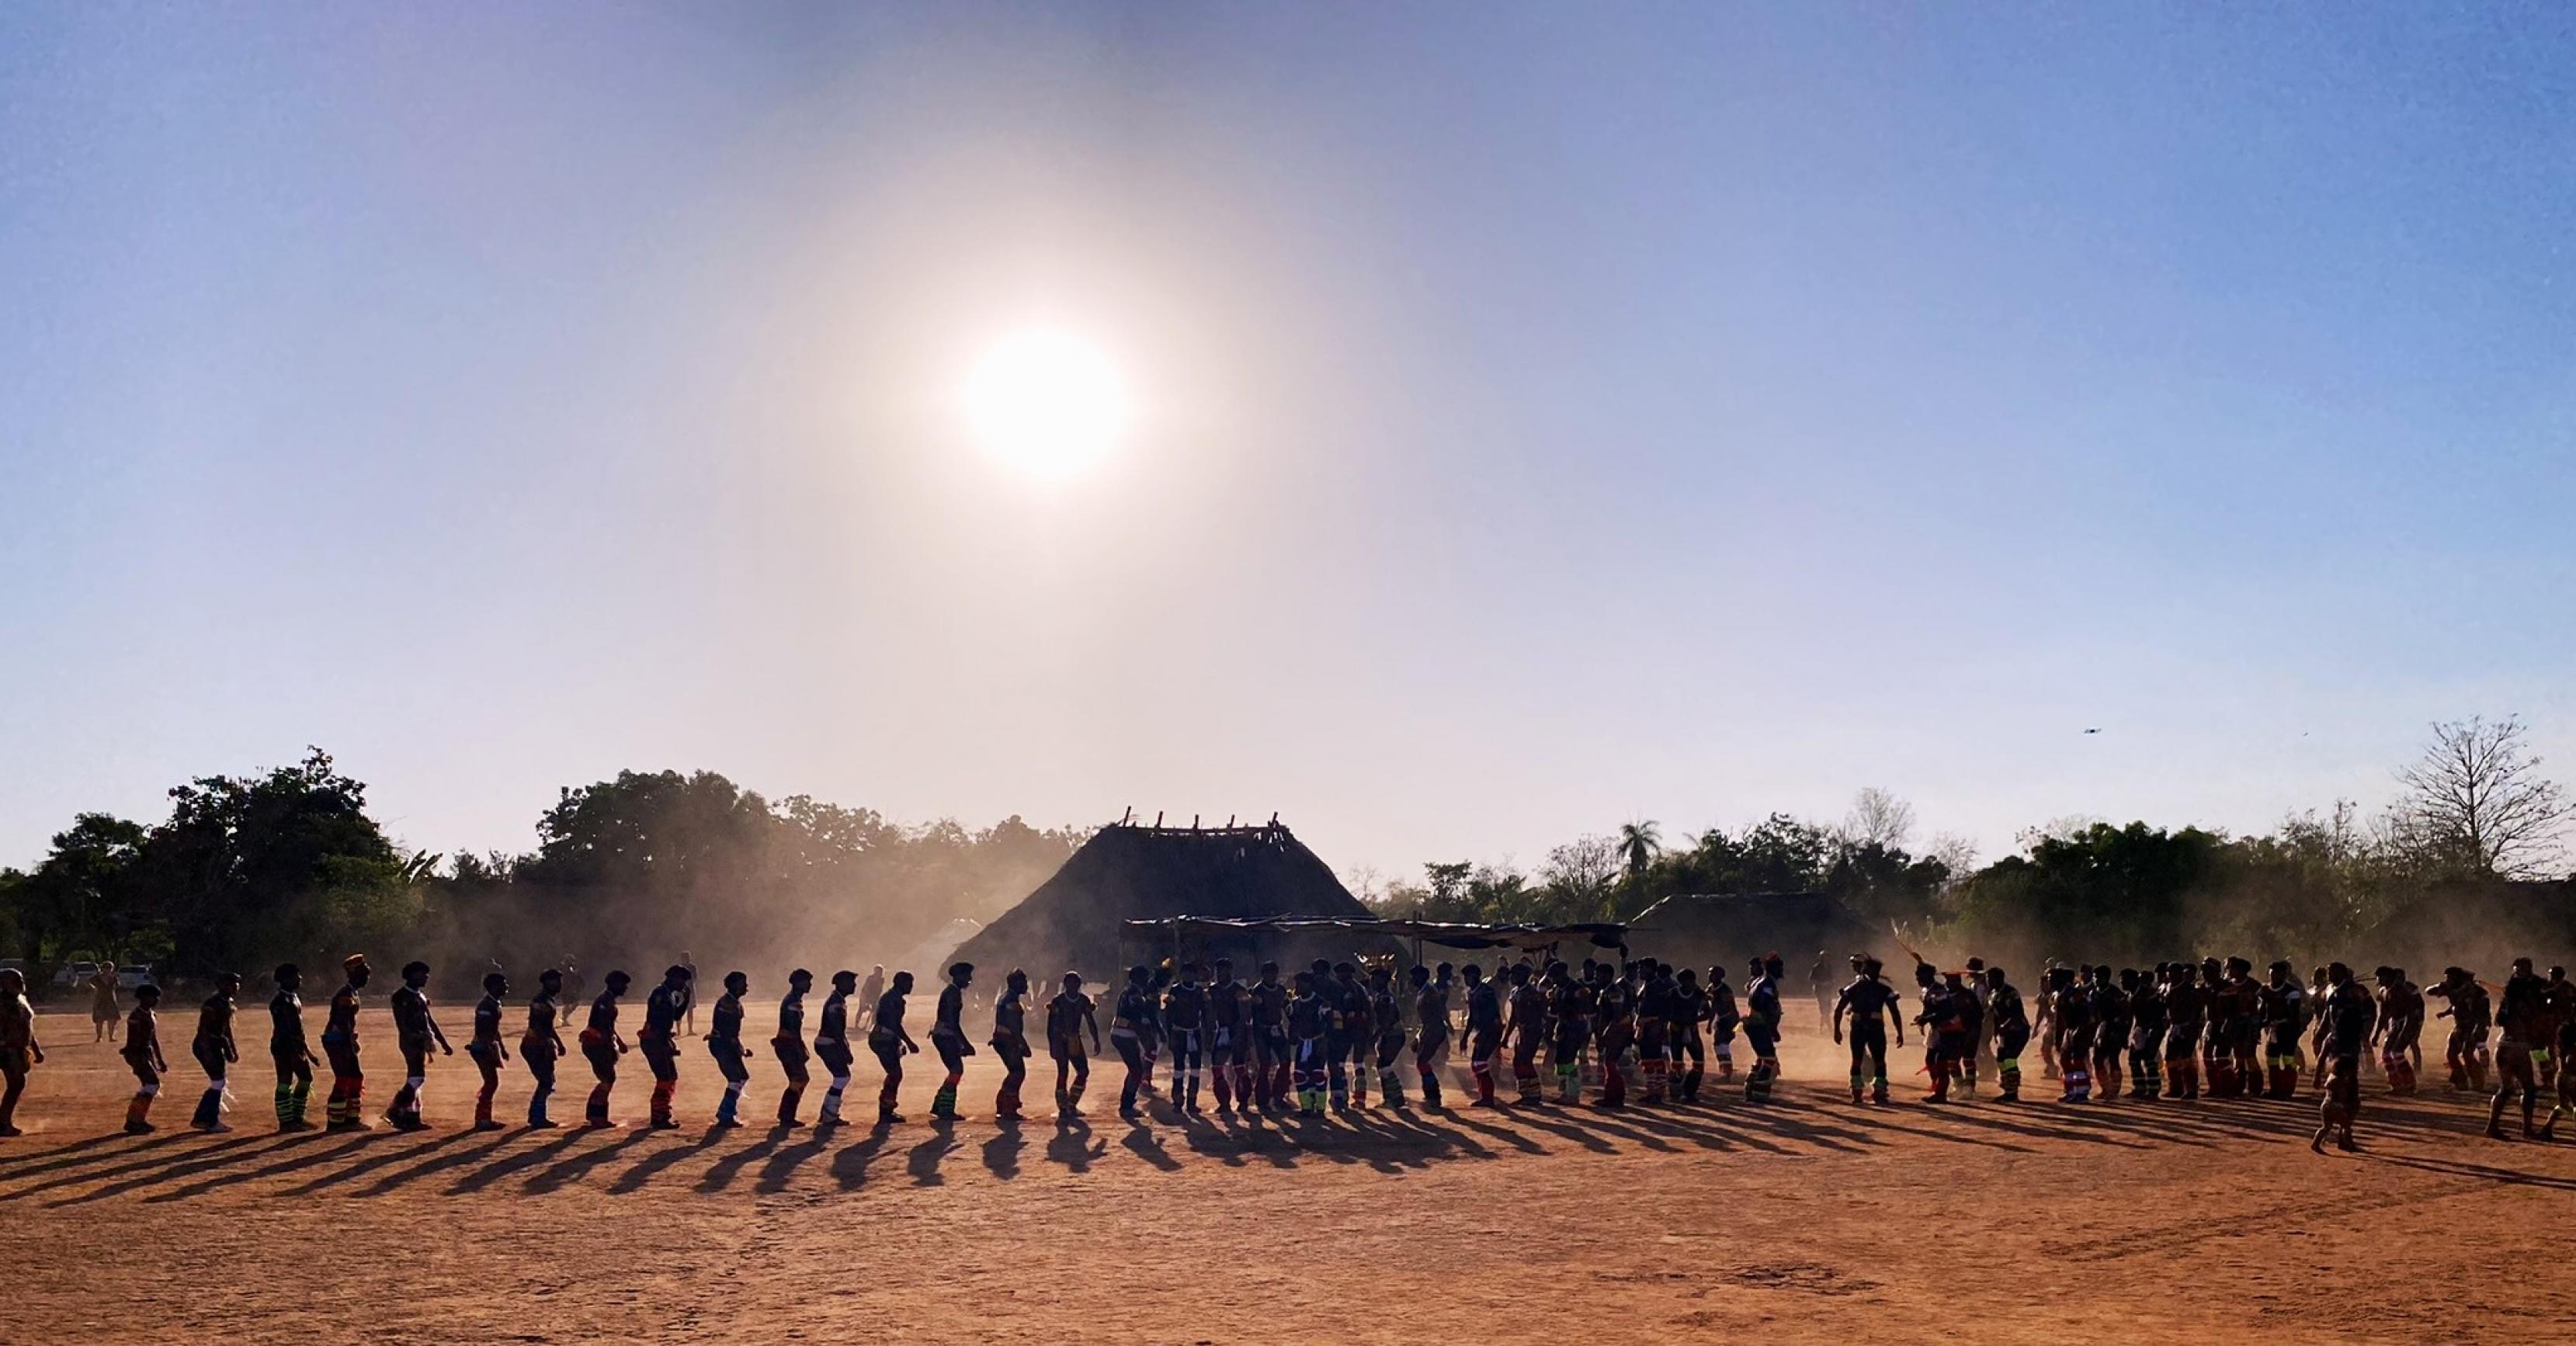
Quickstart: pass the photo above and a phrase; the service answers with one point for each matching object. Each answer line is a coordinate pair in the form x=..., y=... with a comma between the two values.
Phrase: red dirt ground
x=1805, y=1221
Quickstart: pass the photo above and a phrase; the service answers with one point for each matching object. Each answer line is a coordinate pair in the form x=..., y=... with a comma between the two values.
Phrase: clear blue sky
x=1547, y=416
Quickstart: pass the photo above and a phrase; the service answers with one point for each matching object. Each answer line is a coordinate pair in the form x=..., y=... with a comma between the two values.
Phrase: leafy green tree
x=657, y=832
x=2104, y=892
x=85, y=898
x=283, y=863
x=1883, y=882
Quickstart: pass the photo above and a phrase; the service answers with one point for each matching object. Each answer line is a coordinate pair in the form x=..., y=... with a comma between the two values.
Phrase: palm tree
x=1641, y=842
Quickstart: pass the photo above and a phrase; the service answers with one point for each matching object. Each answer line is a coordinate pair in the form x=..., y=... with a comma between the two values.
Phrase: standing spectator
x=103, y=1009
x=689, y=995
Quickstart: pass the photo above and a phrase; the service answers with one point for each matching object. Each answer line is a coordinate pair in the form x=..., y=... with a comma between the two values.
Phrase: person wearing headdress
x=1724, y=1018
x=289, y=1050
x=2521, y=1015
x=2285, y=1017
x=1069, y=1012
x=1525, y=1025
x=1431, y=1029
x=1354, y=1038
x=1310, y=1022
x=2110, y=1032
x=2011, y=1026
x=486, y=1049
x=1266, y=1009
x=2349, y=1015
x=888, y=1040
x=1871, y=1005
x=832, y=1044
x=1484, y=1033
x=1654, y=1006
x=724, y=1043
x=2043, y=1020
x=2401, y=1026
x=2557, y=1008
x=344, y=1109
x=788, y=1045
x=1981, y=1040
x=1185, y=1009
x=1686, y=1006
x=2071, y=1017
x=601, y=1045
x=142, y=1053
x=1762, y=1028
x=2471, y=1022
x=1387, y=1013
x=2147, y=1034
x=2218, y=1002
x=1229, y=1039
x=659, y=1040
x=215, y=1050
x=948, y=1038
x=415, y=1032
x=1128, y=1024
x=1968, y=1015
x=1011, y=1043
x=2186, y=1010
x=2560, y=997
x=1936, y=1019
x=1569, y=1008
x=542, y=1045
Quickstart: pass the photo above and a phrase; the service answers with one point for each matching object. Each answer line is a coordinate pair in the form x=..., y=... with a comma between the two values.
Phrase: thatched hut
x=1076, y=919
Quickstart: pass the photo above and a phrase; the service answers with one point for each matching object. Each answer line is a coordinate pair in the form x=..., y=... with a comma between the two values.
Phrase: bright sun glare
x=1046, y=402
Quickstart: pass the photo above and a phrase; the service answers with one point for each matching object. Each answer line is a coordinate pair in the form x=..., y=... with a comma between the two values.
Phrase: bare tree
x=2476, y=800
x=1878, y=816
x=2064, y=827
x=1957, y=854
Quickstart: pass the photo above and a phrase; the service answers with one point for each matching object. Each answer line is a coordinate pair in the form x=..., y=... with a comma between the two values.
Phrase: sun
x=1046, y=402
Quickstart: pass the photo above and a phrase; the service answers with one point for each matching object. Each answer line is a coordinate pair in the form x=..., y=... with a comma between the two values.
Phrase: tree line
x=2467, y=862
x=288, y=865
x=248, y=870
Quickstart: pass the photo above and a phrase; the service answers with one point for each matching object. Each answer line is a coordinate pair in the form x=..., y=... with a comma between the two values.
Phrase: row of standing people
x=1644, y=1030
x=1636, y=1029
x=2168, y=1028
x=1257, y=1043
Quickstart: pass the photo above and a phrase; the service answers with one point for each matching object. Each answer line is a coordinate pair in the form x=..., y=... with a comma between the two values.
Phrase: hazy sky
x=1545, y=417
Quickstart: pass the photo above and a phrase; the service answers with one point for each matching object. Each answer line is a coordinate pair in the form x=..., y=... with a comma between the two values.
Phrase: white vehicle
x=75, y=976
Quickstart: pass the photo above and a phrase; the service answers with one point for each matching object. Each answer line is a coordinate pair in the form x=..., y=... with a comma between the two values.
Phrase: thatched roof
x=1076, y=919
x=1709, y=929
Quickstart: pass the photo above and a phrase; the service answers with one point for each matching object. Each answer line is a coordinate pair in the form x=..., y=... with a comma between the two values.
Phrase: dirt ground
x=1808, y=1220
